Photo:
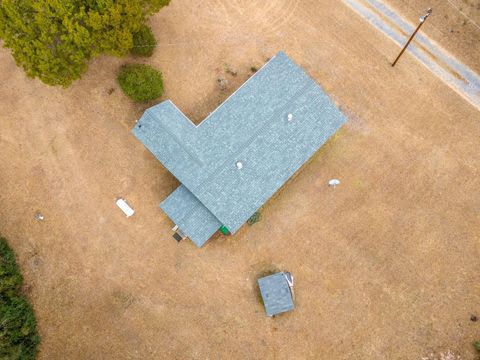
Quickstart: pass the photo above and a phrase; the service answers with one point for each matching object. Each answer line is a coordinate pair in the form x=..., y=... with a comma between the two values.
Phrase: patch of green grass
x=18, y=327
x=476, y=345
x=141, y=83
x=123, y=299
x=144, y=42
x=359, y=184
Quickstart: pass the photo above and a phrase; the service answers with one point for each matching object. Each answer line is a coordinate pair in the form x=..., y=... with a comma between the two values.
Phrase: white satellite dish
x=334, y=183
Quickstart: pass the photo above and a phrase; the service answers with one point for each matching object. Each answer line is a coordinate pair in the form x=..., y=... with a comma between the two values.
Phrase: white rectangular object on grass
x=127, y=210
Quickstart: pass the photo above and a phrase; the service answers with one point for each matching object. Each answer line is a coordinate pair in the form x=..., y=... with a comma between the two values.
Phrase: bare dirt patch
x=385, y=265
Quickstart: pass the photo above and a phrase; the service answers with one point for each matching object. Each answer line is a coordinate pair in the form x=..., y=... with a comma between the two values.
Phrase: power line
x=414, y=10
x=461, y=12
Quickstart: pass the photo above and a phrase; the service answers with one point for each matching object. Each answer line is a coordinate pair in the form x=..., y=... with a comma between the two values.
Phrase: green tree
x=10, y=277
x=54, y=39
x=18, y=328
x=143, y=42
x=140, y=82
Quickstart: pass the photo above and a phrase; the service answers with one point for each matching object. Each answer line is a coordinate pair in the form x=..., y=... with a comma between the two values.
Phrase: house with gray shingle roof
x=243, y=152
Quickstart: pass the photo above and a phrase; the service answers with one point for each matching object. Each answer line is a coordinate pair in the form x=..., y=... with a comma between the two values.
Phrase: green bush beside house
x=140, y=82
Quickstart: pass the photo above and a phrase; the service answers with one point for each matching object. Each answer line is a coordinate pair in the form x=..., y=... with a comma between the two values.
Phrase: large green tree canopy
x=54, y=39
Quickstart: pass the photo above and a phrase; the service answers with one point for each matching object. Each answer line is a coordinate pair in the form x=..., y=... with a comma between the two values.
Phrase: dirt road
x=386, y=265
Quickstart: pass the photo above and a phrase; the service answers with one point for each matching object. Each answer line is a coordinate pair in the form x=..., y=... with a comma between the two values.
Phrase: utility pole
x=422, y=20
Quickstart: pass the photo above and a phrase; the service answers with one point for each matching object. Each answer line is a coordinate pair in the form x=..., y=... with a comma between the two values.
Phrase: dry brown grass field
x=386, y=265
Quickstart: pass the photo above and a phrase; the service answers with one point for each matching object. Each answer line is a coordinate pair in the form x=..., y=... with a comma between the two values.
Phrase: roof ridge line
x=196, y=206
x=309, y=83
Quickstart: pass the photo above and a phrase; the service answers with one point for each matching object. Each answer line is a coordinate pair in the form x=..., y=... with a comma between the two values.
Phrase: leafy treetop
x=18, y=327
x=54, y=39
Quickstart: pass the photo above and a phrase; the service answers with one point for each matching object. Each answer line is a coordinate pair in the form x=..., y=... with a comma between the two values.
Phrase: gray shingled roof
x=191, y=216
x=276, y=294
x=251, y=126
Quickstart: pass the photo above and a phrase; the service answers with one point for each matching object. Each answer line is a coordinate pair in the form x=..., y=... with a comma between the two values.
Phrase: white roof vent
x=290, y=117
x=239, y=165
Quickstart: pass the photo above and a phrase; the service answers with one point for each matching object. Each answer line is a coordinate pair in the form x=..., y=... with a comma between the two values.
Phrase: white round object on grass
x=334, y=182
x=39, y=216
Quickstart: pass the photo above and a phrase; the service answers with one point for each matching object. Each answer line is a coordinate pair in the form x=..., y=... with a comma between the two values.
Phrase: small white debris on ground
x=39, y=217
x=127, y=210
x=334, y=182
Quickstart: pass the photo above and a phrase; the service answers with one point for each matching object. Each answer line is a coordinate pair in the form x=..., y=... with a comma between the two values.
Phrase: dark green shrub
x=141, y=83
x=10, y=278
x=254, y=218
x=143, y=42
x=18, y=328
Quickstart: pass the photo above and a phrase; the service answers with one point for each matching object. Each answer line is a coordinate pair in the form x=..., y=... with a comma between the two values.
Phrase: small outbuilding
x=277, y=292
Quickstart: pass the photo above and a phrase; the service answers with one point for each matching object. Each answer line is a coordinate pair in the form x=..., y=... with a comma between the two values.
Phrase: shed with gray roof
x=276, y=293
x=244, y=151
